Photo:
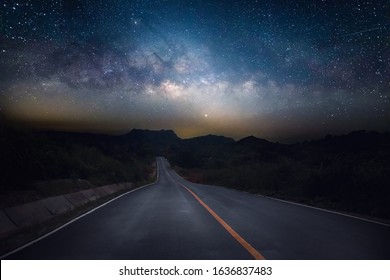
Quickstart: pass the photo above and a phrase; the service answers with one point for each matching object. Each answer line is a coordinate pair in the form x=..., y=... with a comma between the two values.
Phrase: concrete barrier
x=110, y=189
x=7, y=227
x=127, y=185
x=29, y=214
x=33, y=213
x=101, y=192
x=90, y=194
x=77, y=198
x=57, y=204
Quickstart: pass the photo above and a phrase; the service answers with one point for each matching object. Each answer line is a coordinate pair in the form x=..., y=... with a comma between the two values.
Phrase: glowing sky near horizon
x=280, y=70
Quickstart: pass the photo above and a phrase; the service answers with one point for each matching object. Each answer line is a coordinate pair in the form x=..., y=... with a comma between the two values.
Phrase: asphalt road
x=176, y=219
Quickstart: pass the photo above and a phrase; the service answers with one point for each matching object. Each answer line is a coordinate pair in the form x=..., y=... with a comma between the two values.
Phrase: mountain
x=155, y=137
x=208, y=144
x=252, y=141
x=155, y=141
x=349, y=172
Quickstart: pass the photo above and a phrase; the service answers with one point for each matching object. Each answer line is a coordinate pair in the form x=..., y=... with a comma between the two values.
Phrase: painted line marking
x=256, y=254
x=324, y=210
x=77, y=218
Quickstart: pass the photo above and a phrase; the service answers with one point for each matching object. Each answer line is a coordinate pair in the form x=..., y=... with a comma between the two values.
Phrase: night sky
x=279, y=70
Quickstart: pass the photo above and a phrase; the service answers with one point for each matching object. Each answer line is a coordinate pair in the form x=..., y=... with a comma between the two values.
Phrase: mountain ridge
x=349, y=172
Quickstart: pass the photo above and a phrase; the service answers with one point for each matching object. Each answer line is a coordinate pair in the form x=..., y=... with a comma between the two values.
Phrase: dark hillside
x=29, y=158
x=349, y=172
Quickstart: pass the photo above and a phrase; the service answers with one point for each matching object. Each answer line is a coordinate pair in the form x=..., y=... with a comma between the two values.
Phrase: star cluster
x=281, y=70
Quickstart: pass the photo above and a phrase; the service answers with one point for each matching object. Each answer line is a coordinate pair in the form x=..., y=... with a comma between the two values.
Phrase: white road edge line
x=325, y=210
x=77, y=218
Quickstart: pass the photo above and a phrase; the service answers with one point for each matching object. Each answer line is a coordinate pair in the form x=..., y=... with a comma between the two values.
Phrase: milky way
x=281, y=70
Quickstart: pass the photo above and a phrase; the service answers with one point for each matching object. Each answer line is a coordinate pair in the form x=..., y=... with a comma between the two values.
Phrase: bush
x=28, y=156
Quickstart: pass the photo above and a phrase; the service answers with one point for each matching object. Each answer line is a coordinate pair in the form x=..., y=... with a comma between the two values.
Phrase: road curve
x=176, y=219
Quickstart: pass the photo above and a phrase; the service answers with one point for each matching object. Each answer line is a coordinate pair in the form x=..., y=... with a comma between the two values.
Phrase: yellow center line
x=256, y=254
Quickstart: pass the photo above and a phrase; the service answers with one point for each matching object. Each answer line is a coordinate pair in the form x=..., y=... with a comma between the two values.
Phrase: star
x=270, y=70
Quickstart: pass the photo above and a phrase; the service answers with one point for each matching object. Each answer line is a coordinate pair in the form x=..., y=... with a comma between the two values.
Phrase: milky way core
x=280, y=70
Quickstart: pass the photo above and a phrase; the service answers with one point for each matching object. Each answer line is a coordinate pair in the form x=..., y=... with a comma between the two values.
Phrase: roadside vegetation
x=350, y=173
x=38, y=164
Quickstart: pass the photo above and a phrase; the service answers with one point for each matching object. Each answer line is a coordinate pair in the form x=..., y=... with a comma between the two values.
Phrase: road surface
x=176, y=219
